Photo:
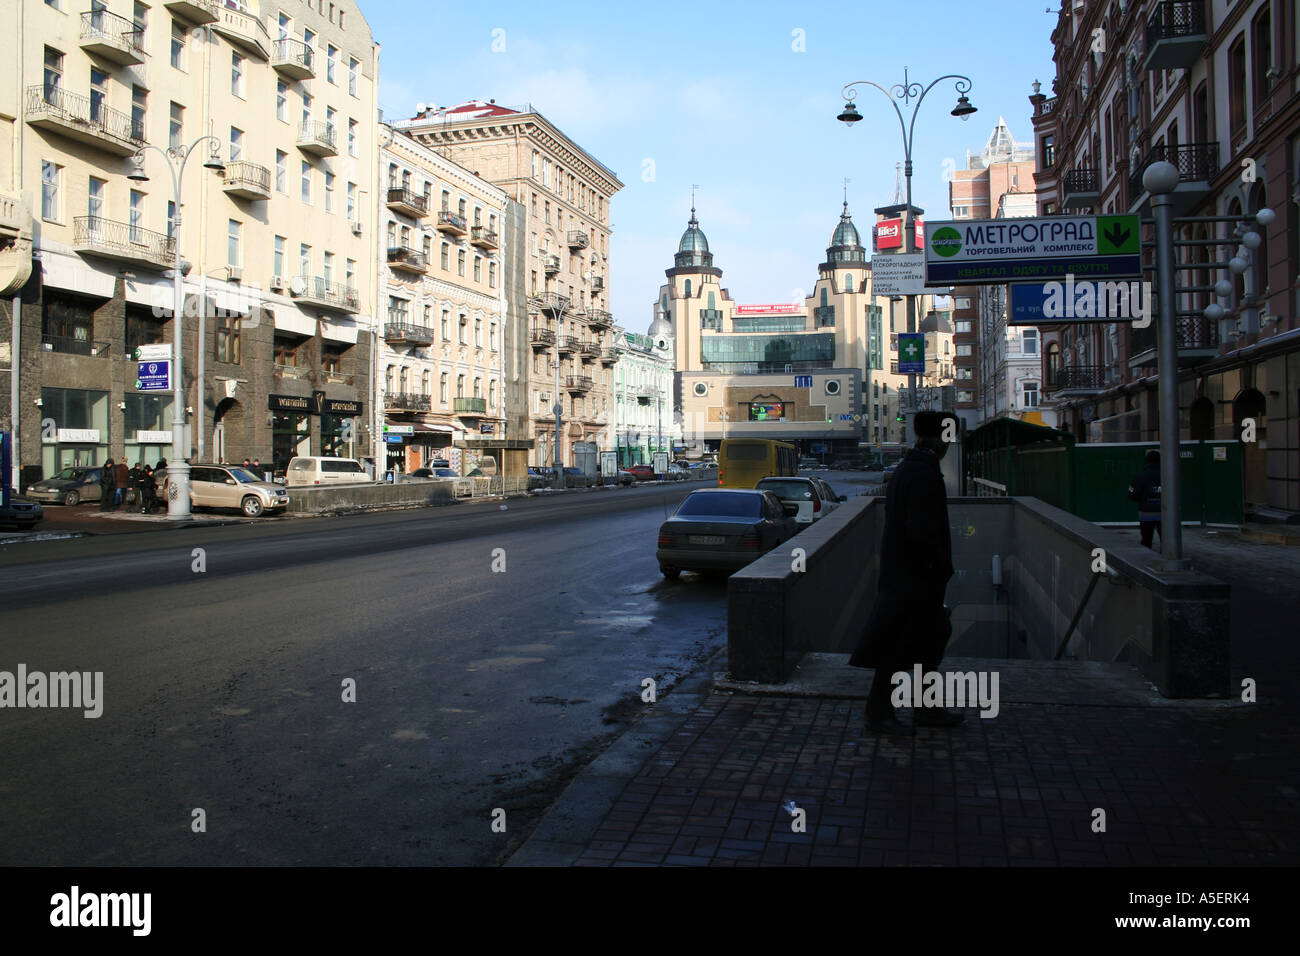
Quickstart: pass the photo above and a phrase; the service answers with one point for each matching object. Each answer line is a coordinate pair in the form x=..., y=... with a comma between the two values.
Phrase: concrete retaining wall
x=1174, y=626
x=359, y=497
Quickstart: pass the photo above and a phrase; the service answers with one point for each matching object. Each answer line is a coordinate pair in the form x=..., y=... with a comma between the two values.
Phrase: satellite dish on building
x=297, y=285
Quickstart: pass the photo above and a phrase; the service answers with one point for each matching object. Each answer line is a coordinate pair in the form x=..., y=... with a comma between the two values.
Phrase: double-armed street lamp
x=905, y=92
x=178, y=467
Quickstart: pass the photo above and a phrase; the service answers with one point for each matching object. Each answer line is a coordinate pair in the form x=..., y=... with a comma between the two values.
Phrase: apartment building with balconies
x=444, y=283
x=275, y=107
x=644, y=418
x=565, y=194
x=1211, y=86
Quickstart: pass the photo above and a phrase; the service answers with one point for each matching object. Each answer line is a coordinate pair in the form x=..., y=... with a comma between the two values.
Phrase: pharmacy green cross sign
x=911, y=353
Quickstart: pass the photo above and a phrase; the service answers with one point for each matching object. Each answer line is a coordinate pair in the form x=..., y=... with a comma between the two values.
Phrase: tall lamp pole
x=178, y=468
x=557, y=476
x=906, y=92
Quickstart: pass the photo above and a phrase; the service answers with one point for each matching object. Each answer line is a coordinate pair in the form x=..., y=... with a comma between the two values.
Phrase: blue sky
x=716, y=94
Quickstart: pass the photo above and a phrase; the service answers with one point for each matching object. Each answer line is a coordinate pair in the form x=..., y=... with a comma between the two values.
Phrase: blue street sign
x=394, y=439
x=911, y=353
x=803, y=381
x=1078, y=300
x=154, y=377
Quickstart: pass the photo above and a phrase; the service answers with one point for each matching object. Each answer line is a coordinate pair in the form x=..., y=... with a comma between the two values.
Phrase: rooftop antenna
x=694, y=186
x=846, y=194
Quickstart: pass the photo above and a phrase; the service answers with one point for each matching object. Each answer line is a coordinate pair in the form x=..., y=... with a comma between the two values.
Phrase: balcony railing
x=452, y=223
x=551, y=264
x=407, y=259
x=317, y=138
x=1082, y=187
x=401, y=199
x=408, y=401
x=542, y=338
x=338, y=378
x=609, y=356
x=1197, y=164
x=13, y=214
x=577, y=240
x=566, y=343
x=316, y=290
x=599, y=319
x=281, y=371
x=1192, y=334
x=1047, y=107
x=469, y=406
x=403, y=333
x=1175, y=34
x=551, y=303
x=294, y=59
x=73, y=345
x=112, y=37
x=579, y=383
x=122, y=241
x=483, y=237
x=77, y=117
x=243, y=28
x=597, y=283
x=1081, y=378
x=590, y=347
x=247, y=180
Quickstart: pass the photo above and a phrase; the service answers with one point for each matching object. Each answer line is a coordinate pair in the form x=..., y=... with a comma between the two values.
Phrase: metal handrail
x=75, y=108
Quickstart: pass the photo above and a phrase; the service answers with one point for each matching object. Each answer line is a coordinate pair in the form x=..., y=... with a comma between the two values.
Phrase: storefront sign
x=152, y=353
x=769, y=310
x=399, y=429
x=153, y=438
x=289, y=403
x=78, y=436
x=346, y=407
x=487, y=428
x=154, y=377
x=994, y=251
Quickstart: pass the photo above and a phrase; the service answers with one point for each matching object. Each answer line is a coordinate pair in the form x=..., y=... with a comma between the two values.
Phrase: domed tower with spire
x=841, y=300
x=692, y=301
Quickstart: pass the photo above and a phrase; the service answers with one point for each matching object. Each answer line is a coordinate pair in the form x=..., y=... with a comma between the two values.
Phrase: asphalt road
x=475, y=689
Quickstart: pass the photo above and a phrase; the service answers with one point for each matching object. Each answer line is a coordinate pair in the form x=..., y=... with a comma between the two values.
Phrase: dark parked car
x=723, y=529
x=433, y=473
x=575, y=478
x=23, y=515
x=71, y=486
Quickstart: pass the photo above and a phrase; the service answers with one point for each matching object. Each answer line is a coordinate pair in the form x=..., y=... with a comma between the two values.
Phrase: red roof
x=473, y=109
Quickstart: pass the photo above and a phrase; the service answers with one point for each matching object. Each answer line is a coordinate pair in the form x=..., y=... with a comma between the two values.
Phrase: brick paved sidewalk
x=1180, y=786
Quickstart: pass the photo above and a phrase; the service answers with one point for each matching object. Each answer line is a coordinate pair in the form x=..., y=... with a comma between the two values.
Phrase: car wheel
x=252, y=506
x=672, y=574
x=72, y=499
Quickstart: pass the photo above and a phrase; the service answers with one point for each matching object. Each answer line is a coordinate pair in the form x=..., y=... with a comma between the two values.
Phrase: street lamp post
x=557, y=476
x=906, y=91
x=178, y=468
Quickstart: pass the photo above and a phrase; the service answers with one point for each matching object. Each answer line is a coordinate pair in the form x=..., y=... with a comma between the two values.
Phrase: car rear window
x=721, y=504
x=789, y=490
x=746, y=452
x=300, y=464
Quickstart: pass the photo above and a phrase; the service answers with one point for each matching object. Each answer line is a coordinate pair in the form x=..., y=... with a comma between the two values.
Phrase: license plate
x=705, y=539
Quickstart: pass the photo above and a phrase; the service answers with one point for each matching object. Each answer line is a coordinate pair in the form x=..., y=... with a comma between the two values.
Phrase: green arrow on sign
x=1117, y=236
x=139, y=385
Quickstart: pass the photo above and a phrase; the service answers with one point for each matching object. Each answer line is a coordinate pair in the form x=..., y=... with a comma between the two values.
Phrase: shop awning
x=292, y=320
x=421, y=428
x=338, y=331
x=70, y=272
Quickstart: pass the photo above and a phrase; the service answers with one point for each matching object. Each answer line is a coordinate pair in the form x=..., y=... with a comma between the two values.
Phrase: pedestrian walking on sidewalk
x=133, y=483
x=148, y=491
x=909, y=624
x=1145, y=490
x=122, y=478
x=107, y=485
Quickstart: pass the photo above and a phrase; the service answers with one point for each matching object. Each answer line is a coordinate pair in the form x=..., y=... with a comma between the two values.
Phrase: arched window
x=711, y=305
x=389, y=378
x=1053, y=364
x=848, y=282
x=823, y=296
x=688, y=288
x=1259, y=257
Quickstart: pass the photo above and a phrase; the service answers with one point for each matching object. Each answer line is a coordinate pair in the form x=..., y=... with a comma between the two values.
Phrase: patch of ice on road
x=409, y=735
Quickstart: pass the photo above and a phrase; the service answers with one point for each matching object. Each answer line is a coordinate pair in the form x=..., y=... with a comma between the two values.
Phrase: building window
x=306, y=181
x=962, y=349
x=460, y=386
x=331, y=121
x=1237, y=87
x=1262, y=54
x=354, y=67
x=352, y=137
x=460, y=262
x=442, y=388
x=1029, y=394
x=492, y=336
x=352, y=201
x=282, y=101
x=492, y=275
x=139, y=104
x=136, y=210
x=350, y=274
x=236, y=75
x=67, y=324
x=478, y=333
x=51, y=177
x=171, y=219
x=446, y=255
x=464, y=326
x=331, y=64
x=95, y=202
x=176, y=128
x=1029, y=341
x=178, y=45
x=478, y=268
x=306, y=111
x=227, y=332
x=277, y=261
x=304, y=259
x=397, y=310
x=232, y=243
x=1049, y=151
x=329, y=192
x=236, y=143
x=281, y=171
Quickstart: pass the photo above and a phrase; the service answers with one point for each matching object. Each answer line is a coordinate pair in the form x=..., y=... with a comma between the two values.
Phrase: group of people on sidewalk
x=135, y=487
x=909, y=622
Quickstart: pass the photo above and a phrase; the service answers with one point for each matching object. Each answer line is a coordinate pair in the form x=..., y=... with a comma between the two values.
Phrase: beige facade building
x=562, y=311
x=816, y=373
x=278, y=246
x=445, y=291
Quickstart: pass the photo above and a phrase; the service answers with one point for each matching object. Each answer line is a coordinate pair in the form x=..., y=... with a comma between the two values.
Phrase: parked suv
x=231, y=486
x=812, y=495
x=313, y=470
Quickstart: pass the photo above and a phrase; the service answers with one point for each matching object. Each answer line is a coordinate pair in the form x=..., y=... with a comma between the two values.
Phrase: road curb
x=572, y=821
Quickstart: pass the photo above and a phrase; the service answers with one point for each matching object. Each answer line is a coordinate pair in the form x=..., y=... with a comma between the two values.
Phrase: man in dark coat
x=1145, y=490
x=107, y=485
x=909, y=623
x=148, y=491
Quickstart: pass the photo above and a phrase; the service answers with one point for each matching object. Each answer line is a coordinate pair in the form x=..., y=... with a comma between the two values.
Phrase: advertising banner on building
x=994, y=251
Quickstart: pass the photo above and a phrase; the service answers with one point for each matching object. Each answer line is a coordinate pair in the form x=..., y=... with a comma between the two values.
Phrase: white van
x=314, y=470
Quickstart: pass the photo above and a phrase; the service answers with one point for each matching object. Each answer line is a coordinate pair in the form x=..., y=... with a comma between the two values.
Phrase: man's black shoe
x=890, y=725
x=926, y=717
